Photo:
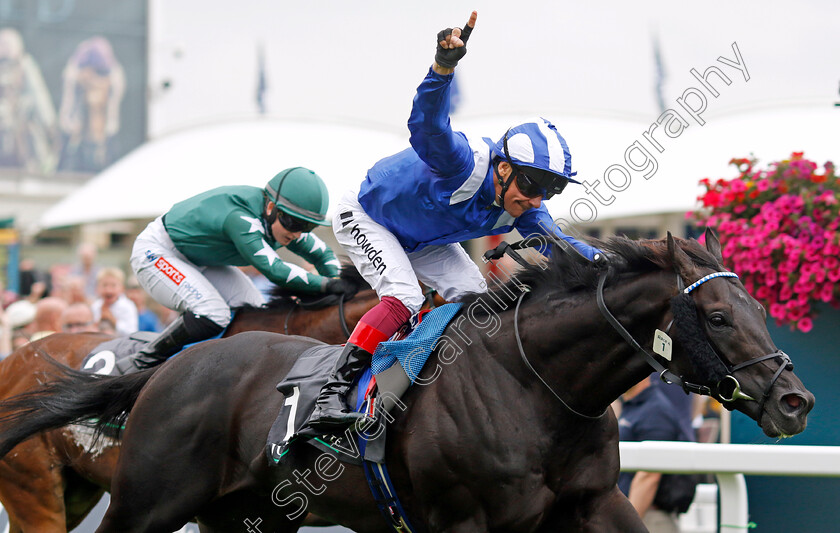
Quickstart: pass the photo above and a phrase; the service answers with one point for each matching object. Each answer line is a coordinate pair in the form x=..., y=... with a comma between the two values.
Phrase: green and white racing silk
x=225, y=226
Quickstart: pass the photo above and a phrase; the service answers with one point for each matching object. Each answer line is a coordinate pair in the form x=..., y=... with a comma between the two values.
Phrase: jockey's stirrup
x=185, y=329
x=331, y=411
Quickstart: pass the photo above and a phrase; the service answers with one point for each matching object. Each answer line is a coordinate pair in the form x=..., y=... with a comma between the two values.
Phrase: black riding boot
x=331, y=411
x=184, y=330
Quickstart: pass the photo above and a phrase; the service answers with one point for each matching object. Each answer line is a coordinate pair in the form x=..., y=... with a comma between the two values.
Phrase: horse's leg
x=609, y=513
x=164, y=477
x=159, y=486
x=89, y=469
x=246, y=511
x=80, y=497
x=31, y=488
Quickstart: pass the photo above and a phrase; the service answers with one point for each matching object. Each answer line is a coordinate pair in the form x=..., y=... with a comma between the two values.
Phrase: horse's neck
x=580, y=356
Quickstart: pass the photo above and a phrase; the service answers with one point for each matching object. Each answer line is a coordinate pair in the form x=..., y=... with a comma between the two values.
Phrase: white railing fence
x=729, y=463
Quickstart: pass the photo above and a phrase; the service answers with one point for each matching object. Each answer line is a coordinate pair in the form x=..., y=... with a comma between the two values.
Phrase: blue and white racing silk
x=441, y=190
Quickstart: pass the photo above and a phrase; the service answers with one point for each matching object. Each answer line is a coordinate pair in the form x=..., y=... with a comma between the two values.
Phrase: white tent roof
x=150, y=179
x=699, y=152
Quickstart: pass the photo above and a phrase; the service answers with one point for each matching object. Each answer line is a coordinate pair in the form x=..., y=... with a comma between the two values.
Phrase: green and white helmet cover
x=301, y=193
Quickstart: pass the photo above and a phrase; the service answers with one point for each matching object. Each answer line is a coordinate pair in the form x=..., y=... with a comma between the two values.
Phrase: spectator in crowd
x=647, y=414
x=86, y=268
x=147, y=319
x=78, y=318
x=6, y=296
x=73, y=290
x=34, y=284
x=111, y=302
x=106, y=325
x=19, y=317
x=47, y=317
x=685, y=404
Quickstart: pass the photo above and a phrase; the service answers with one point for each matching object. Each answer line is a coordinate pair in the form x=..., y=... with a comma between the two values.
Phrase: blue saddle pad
x=413, y=351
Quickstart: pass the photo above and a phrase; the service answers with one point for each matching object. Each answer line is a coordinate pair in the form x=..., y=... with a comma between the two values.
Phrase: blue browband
x=707, y=278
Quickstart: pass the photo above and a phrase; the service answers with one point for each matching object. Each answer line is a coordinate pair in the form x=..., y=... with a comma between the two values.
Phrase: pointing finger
x=465, y=33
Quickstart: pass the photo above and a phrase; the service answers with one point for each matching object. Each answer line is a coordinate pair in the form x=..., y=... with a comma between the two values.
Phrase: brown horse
x=50, y=483
x=509, y=431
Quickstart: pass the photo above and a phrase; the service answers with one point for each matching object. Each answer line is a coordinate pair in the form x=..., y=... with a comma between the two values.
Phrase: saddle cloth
x=103, y=358
x=376, y=392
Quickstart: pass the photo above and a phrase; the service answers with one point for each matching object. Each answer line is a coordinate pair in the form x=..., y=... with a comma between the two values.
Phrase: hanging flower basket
x=778, y=228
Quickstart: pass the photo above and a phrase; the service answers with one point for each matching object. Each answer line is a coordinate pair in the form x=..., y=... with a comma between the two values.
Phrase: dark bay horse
x=510, y=430
x=50, y=483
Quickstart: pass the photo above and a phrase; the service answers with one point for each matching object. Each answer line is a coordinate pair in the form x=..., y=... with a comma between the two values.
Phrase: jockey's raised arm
x=406, y=220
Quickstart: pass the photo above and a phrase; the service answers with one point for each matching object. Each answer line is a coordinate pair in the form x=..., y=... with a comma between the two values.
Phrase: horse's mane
x=567, y=274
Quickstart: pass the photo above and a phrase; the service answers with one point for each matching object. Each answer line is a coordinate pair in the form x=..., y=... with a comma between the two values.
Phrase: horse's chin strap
x=531, y=368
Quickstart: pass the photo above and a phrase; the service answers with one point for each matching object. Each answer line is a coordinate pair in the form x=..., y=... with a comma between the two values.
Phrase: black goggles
x=530, y=188
x=295, y=224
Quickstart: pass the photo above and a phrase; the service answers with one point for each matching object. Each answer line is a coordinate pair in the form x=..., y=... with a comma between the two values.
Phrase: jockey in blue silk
x=186, y=259
x=404, y=223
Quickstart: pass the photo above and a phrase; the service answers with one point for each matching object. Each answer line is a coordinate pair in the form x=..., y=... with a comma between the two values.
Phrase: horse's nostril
x=794, y=401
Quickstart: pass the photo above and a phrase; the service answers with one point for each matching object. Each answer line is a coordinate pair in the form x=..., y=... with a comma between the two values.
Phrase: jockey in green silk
x=186, y=259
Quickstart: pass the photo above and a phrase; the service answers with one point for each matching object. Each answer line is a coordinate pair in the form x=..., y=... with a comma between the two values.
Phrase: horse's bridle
x=716, y=391
x=602, y=262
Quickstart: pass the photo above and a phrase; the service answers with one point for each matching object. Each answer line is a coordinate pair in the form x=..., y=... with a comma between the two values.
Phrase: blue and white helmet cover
x=538, y=144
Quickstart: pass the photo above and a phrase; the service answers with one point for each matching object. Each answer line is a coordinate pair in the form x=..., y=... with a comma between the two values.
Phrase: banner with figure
x=72, y=84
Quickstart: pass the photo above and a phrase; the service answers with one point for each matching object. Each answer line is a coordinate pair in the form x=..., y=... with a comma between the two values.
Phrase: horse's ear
x=683, y=265
x=713, y=244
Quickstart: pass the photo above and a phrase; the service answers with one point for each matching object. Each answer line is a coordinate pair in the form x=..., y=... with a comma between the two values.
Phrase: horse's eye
x=717, y=320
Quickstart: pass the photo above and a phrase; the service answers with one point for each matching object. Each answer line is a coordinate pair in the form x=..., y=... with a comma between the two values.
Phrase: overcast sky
x=361, y=61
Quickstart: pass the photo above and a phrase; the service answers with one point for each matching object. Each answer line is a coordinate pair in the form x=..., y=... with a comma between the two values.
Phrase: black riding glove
x=340, y=286
x=601, y=260
x=449, y=57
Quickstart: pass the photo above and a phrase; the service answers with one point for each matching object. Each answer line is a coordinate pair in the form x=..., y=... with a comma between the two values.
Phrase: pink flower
x=780, y=229
x=785, y=293
x=804, y=287
x=827, y=292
